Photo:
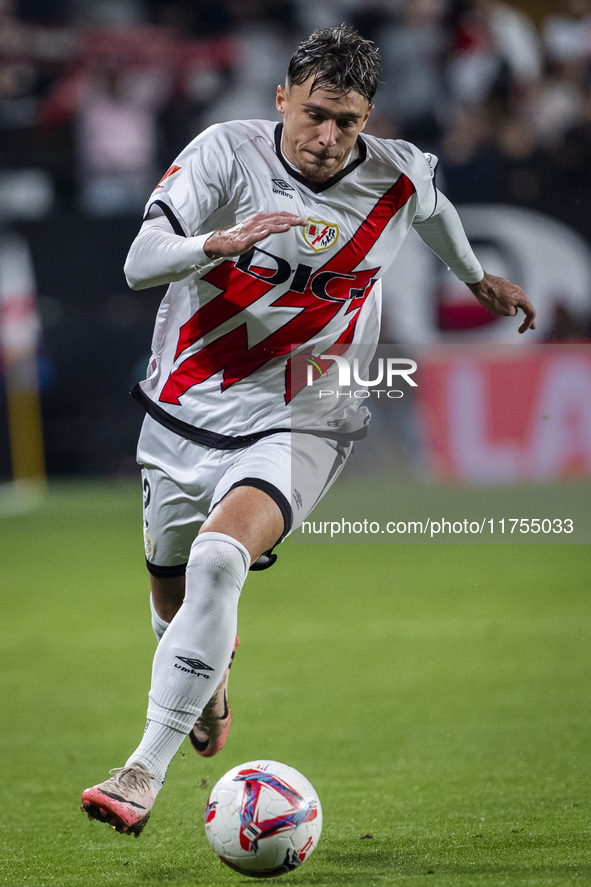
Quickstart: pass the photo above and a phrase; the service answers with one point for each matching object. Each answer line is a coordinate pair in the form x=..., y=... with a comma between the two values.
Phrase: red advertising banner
x=506, y=414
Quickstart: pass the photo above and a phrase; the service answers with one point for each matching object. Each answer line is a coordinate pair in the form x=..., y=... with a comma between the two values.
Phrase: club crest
x=320, y=235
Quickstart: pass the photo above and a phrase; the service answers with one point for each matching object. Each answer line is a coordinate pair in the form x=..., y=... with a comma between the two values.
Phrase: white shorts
x=183, y=481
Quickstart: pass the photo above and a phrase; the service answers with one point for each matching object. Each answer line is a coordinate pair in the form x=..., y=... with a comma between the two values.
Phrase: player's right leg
x=210, y=730
x=166, y=597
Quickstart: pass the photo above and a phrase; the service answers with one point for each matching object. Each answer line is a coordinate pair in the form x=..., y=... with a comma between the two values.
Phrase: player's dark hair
x=338, y=58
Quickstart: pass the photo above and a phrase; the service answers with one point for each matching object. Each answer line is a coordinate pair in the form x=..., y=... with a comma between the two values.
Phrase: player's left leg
x=211, y=728
x=195, y=650
x=193, y=653
x=177, y=503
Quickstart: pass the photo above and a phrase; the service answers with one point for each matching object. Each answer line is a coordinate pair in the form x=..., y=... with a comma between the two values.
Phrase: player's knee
x=218, y=560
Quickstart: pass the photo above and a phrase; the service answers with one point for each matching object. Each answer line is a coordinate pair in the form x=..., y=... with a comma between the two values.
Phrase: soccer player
x=273, y=238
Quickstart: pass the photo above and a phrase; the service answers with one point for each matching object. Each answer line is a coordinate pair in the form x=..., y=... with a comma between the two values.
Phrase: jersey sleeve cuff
x=471, y=273
x=203, y=262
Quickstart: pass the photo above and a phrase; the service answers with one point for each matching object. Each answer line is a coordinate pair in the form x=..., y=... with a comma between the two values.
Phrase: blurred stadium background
x=443, y=687
x=97, y=98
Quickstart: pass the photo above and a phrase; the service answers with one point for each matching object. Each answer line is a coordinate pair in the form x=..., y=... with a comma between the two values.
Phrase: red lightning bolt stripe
x=230, y=351
x=239, y=291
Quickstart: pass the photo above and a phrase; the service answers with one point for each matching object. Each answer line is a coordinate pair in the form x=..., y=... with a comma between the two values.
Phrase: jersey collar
x=318, y=187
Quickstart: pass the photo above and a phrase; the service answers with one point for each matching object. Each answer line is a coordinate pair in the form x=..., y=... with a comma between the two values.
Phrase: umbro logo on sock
x=195, y=663
x=196, y=666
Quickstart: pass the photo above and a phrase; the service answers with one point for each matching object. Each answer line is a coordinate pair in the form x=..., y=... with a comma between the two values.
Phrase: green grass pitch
x=436, y=696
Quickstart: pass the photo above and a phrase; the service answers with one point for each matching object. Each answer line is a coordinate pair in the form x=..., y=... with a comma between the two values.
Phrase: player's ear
x=366, y=118
x=280, y=99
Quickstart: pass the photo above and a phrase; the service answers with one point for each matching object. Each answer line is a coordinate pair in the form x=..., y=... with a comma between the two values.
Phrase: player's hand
x=504, y=298
x=239, y=238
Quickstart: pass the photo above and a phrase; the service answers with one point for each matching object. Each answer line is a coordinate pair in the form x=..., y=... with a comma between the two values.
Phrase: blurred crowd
x=103, y=93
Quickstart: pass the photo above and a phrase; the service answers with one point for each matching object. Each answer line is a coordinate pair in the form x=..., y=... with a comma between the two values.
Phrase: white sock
x=159, y=626
x=193, y=653
x=160, y=742
x=158, y=747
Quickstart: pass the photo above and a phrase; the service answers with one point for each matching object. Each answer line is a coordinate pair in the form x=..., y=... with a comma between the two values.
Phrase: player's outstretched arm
x=505, y=298
x=158, y=255
x=444, y=234
x=239, y=238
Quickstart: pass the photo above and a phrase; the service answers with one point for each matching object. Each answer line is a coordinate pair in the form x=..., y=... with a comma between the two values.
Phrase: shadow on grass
x=385, y=867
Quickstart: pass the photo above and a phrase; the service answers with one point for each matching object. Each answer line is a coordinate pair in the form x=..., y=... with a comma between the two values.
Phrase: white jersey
x=234, y=340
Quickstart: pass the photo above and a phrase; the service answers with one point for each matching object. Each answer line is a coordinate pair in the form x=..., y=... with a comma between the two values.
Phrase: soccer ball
x=263, y=819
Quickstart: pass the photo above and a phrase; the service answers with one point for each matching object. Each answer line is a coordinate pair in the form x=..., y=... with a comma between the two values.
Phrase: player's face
x=320, y=128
